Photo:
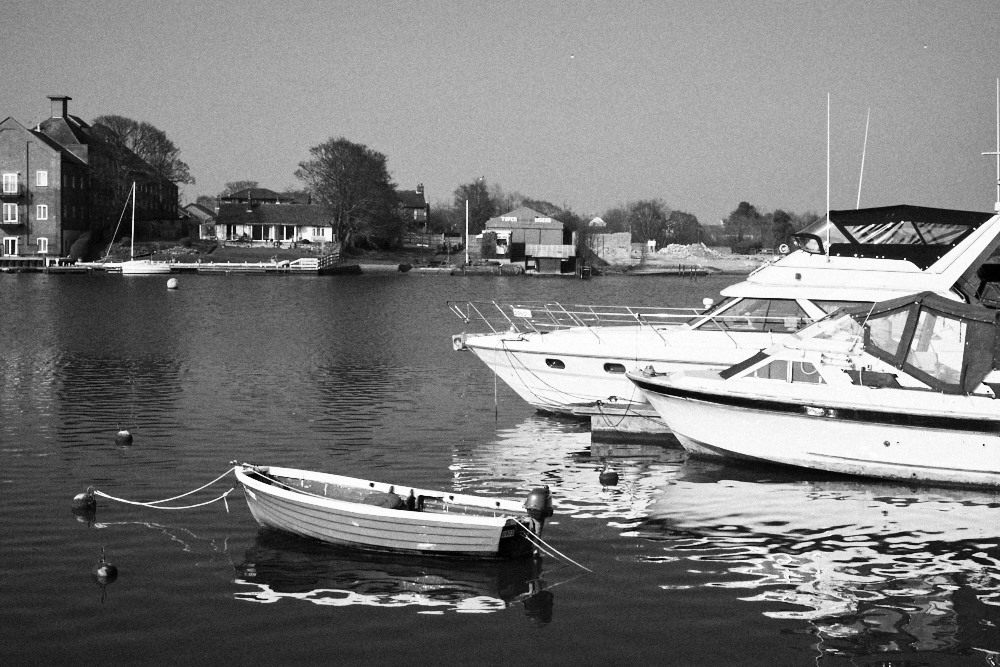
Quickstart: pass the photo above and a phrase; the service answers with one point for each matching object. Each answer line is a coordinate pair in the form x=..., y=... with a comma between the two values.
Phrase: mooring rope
x=549, y=549
x=158, y=504
x=155, y=506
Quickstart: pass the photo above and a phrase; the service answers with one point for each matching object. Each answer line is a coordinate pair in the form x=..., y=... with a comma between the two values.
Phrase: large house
x=260, y=216
x=52, y=194
x=539, y=242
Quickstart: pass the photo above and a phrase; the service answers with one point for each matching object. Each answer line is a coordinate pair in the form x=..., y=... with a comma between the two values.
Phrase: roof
x=264, y=195
x=236, y=214
x=66, y=129
x=523, y=218
x=200, y=212
x=12, y=124
x=411, y=198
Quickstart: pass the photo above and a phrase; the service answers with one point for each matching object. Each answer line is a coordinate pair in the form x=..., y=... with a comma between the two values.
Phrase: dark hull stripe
x=935, y=422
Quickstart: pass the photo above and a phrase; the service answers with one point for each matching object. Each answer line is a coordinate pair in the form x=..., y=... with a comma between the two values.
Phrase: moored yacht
x=905, y=389
x=563, y=358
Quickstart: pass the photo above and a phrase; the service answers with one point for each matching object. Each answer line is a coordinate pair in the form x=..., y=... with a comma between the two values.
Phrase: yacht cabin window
x=784, y=370
x=763, y=315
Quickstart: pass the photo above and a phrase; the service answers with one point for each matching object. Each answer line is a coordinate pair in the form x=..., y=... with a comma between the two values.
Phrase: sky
x=588, y=105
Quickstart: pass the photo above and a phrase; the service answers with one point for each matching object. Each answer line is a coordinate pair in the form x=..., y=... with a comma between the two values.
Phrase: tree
x=647, y=219
x=683, y=228
x=744, y=221
x=149, y=144
x=208, y=201
x=353, y=182
x=782, y=228
x=235, y=186
x=616, y=219
x=482, y=206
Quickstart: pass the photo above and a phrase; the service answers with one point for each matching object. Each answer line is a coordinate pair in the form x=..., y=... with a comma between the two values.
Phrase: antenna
x=863, y=150
x=996, y=206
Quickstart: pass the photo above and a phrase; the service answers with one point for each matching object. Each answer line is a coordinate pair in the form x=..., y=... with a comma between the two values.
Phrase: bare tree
x=353, y=181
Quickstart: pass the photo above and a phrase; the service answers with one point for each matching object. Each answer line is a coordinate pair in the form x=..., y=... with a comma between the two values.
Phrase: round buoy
x=85, y=502
x=123, y=438
x=104, y=572
x=172, y=283
x=608, y=477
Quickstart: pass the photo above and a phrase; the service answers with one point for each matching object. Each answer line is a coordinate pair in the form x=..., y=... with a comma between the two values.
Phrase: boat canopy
x=917, y=234
x=951, y=346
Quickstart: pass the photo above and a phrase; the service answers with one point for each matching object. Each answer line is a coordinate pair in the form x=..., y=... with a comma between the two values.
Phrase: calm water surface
x=693, y=563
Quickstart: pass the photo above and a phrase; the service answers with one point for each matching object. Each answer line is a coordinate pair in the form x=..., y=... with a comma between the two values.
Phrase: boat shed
x=539, y=242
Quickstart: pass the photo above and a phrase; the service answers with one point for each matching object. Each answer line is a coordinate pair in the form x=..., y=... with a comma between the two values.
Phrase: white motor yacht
x=564, y=358
x=905, y=389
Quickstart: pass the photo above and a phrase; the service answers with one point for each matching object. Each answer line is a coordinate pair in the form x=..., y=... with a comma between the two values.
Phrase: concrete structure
x=539, y=242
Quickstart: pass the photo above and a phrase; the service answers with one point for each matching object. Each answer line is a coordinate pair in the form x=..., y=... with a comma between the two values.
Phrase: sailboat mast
x=131, y=250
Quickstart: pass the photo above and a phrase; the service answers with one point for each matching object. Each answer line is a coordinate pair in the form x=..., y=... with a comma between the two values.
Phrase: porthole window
x=614, y=368
x=554, y=363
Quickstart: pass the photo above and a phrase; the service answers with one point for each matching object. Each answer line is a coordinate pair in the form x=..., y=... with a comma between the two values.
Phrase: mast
x=996, y=206
x=131, y=250
x=828, y=223
x=863, y=150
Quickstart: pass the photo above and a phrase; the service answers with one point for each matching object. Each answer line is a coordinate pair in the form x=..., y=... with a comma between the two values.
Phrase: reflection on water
x=285, y=567
x=548, y=450
x=871, y=567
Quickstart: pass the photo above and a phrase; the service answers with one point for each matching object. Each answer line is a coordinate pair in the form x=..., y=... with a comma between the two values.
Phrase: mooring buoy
x=608, y=477
x=104, y=572
x=123, y=437
x=85, y=501
x=172, y=283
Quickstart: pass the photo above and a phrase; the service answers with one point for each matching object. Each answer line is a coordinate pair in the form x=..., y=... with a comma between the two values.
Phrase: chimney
x=420, y=188
x=60, y=105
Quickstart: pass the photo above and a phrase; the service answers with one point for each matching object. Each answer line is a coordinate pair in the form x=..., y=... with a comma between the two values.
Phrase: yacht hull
x=889, y=443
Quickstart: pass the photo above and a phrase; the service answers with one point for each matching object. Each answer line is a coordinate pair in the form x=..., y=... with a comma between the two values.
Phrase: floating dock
x=612, y=424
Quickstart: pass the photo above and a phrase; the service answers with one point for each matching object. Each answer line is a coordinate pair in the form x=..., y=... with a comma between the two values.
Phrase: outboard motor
x=539, y=506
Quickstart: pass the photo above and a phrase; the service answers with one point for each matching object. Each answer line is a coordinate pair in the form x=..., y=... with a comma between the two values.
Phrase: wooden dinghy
x=373, y=515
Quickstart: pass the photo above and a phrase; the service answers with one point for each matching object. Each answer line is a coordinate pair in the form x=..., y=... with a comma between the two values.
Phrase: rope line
x=161, y=507
x=167, y=500
x=548, y=548
x=158, y=504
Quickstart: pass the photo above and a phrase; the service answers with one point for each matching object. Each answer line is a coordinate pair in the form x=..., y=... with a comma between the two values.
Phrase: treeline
x=354, y=183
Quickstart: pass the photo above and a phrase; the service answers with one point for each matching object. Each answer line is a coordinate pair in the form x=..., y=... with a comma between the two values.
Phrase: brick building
x=52, y=194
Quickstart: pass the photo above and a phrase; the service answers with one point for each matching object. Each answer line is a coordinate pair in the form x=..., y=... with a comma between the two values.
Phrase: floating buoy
x=608, y=477
x=104, y=572
x=123, y=438
x=85, y=502
x=172, y=283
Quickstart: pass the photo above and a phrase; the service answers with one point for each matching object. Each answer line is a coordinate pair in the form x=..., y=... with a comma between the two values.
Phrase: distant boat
x=905, y=389
x=140, y=267
x=370, y=515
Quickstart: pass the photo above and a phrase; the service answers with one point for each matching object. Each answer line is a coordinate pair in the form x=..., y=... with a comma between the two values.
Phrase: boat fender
x=123, y=438
x=85, y=502
x=105, y=572
x=539, y=504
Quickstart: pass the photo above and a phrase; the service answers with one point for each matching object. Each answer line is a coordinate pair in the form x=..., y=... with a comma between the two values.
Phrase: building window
x=9, y=212
x=43, y=245
x=42, y=212
x=41, y=178
x=10, y=183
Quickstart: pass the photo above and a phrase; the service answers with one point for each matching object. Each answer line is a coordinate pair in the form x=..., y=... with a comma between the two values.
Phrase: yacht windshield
x=915, y=233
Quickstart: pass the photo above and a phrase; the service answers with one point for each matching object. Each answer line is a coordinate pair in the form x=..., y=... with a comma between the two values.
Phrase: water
x=693, y=563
